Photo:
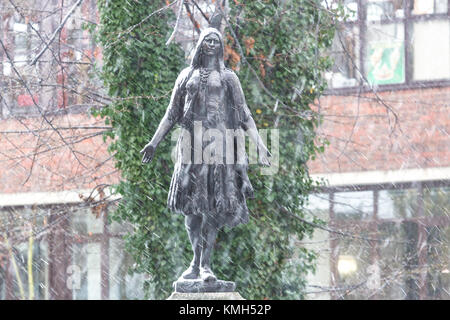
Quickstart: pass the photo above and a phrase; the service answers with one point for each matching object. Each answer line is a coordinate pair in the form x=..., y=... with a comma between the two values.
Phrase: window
x=385, y=53
x=22, y=43
x=392, y=243
x=22, y=251
x=100, y=263
x=429, y=6
x=388, y=44
x=345, y=50
x=353, y=205
x=431, y=49
x=62, y=77
x=74, y=254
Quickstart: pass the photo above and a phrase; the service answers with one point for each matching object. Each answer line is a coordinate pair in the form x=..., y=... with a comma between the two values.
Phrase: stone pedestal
x=206, y=296
x=197, y=286
x=197, y=289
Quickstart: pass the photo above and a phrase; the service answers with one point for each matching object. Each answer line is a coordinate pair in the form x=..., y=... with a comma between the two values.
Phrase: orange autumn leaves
x=230, y=54
x=249, y=43
x=233, y=57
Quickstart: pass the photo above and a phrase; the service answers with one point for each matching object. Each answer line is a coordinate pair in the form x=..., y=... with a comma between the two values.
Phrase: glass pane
x=20, y=44
x=391, y=253
x=353, y=205
x=85, y=273
x=397, y=204
x=410, y=230
x=385, y=54
x=398, y=260
x=77, y=273
x=7, y=68
x=120, y=228
x=350, y=7
x=423, y=7
x=85, y=223
x=122, y=283
x=438, y=273
x=41, y=270
x=20, y=49
x=21, y=278
x=441, y=6
x=385, y=9
x=353, y=267
x=437, y=202
x=345, y=53
x=318, y=206
x=431, y=48
x=16, y=258
x=429, y=6
x=94, y=280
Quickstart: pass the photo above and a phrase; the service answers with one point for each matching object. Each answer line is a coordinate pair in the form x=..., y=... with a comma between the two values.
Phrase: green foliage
x=139, y=71
x=283, y=44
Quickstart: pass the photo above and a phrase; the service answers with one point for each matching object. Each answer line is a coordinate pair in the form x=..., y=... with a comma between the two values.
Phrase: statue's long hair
x=197, y=59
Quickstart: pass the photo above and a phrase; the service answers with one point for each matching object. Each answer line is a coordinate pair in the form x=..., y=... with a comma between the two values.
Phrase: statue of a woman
x=213, y=194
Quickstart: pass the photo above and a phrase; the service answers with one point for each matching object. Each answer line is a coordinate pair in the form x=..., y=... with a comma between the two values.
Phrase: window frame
x=60, y=239
x=372, y=223
x=408, y=20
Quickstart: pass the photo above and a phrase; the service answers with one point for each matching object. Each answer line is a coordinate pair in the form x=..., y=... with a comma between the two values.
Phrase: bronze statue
x=209, y=195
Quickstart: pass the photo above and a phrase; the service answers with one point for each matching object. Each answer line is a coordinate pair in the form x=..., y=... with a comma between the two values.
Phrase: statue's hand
x=147, y=153
x=264, y=156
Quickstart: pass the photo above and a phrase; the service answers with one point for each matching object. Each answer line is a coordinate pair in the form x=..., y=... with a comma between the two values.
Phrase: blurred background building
x=55, y=242
x=386, y=170
x=388, y=163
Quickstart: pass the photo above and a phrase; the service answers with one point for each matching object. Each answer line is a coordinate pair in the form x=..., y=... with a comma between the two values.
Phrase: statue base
x=205, y=296
x=197, y=289
x=200, y=286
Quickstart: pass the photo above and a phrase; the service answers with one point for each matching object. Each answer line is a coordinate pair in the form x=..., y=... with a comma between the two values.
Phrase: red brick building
x=55, y=242
x=388, y=162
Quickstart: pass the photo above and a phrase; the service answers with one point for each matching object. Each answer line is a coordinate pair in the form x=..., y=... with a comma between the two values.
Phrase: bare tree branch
x=56, y=32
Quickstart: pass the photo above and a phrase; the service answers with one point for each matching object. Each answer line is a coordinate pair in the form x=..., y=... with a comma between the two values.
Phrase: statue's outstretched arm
x=252, y=131
x=171, y=117
x=246, y=121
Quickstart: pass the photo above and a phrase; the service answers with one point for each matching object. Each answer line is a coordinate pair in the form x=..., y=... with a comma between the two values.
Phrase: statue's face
x=211, y=44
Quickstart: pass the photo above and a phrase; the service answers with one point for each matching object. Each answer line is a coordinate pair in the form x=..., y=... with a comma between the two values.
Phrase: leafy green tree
x=276, y=48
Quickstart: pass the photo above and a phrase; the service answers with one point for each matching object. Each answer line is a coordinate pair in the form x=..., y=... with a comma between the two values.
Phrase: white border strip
x=379, y=177
x=47, y=198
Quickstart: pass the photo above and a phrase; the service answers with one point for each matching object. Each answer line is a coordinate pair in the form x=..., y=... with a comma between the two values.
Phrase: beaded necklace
x=204, y=75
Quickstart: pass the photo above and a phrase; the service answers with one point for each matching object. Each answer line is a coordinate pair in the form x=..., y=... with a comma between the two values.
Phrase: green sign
x=386, y=62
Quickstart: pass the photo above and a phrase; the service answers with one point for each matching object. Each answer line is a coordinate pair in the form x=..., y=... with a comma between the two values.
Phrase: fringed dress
x=215, y=187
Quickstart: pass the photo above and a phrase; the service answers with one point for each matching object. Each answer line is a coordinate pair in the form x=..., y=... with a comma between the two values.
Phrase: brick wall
x=365, y=136
x=34, y=158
